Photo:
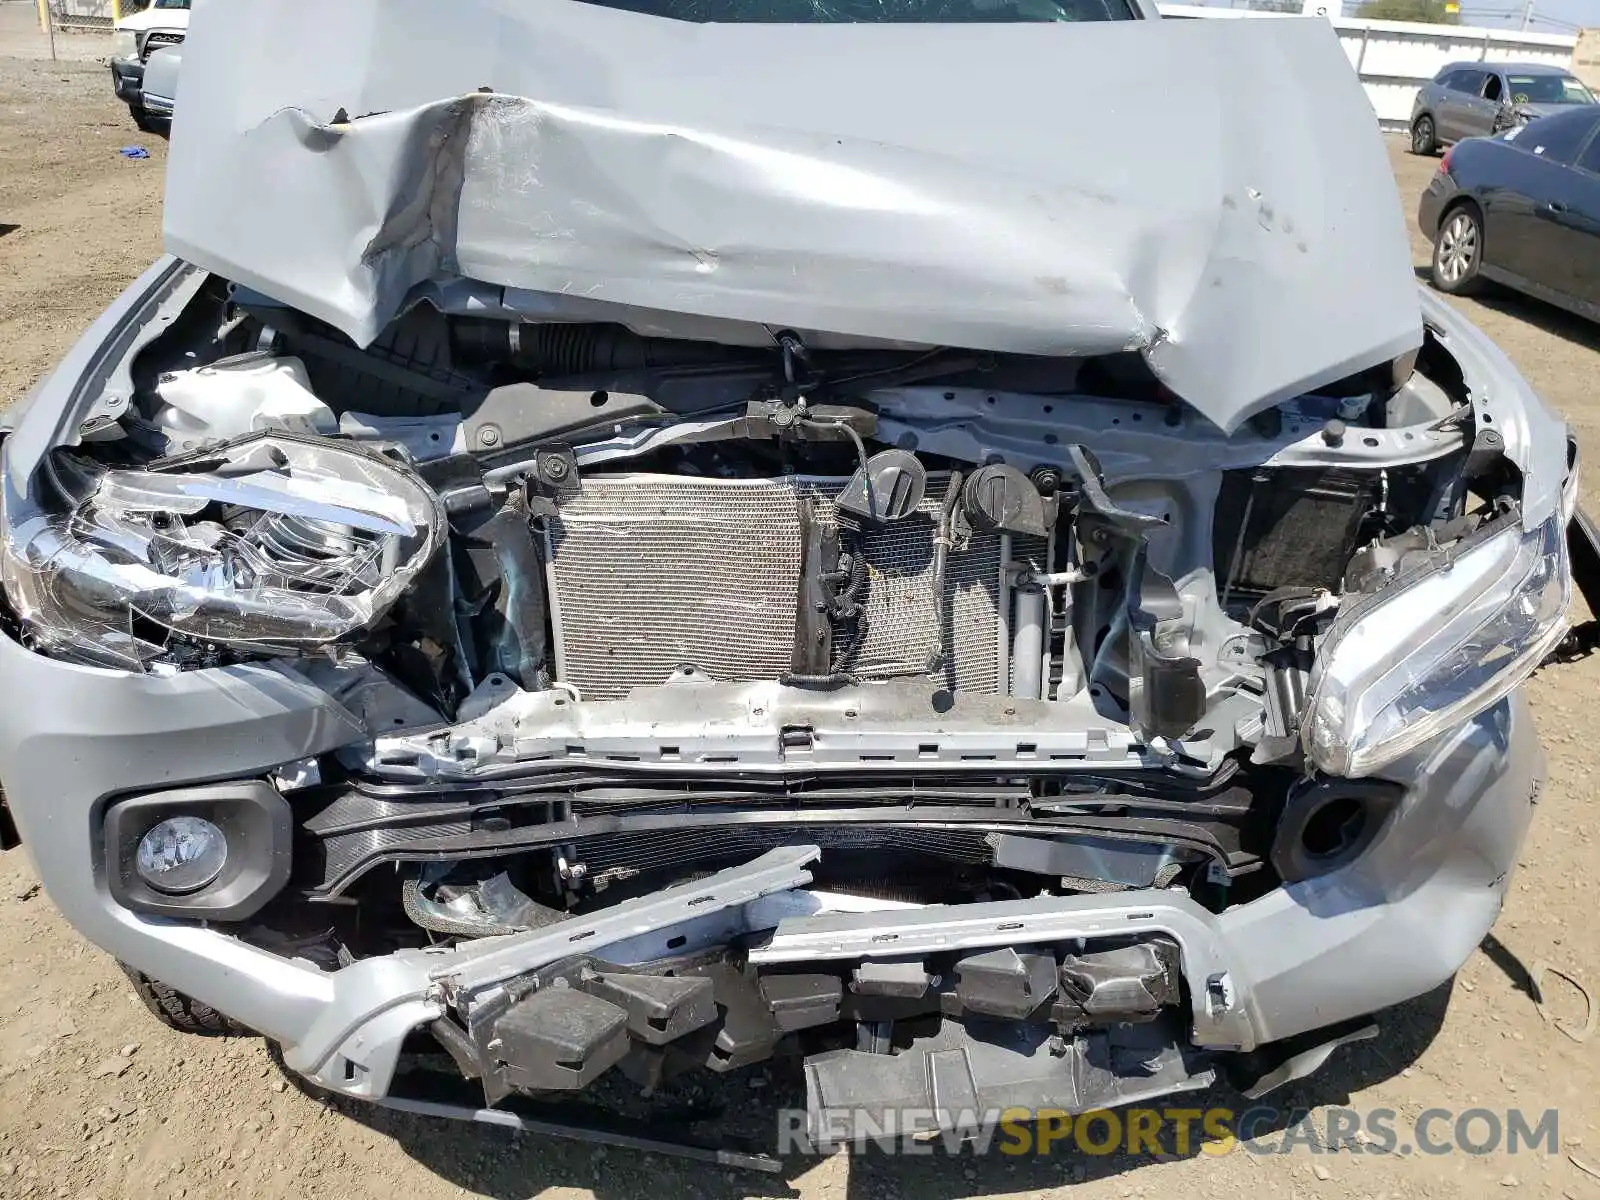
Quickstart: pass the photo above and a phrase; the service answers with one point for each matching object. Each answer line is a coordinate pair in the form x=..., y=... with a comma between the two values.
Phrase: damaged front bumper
x=127, y=81
x=1125, y=995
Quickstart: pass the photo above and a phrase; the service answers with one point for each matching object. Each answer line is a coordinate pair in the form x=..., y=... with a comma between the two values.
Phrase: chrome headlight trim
x=272, y=543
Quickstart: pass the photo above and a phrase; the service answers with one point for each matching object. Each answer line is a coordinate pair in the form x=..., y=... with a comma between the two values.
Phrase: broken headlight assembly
x=1424, y=655
x=271, y=544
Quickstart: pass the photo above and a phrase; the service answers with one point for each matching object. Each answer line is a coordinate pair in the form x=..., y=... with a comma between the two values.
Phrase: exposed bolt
x=1333, y=432
x=489, y=435
x=571, y=871
x=556, y=468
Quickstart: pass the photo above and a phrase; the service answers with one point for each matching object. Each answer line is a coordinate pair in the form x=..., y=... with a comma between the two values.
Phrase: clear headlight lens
x=124, y=44
x=1427, y=654
x=271, y=543
x=181, y=854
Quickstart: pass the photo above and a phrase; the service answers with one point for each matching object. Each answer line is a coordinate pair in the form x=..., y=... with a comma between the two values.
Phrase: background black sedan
x=1522, y=209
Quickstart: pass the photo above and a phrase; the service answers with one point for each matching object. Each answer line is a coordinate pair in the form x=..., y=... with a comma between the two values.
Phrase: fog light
x=181, y=854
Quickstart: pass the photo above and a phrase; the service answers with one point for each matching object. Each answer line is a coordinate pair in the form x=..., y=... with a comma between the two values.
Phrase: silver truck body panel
x=931, y=184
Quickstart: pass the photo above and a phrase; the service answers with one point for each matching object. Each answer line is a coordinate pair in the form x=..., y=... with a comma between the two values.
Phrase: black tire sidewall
x=1418, y=144
x=178, y=1011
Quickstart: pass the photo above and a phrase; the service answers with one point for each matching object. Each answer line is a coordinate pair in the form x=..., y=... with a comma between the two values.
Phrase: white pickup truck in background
x=146, y=51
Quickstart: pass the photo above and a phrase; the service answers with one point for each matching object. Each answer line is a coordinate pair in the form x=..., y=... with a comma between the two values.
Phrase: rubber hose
x=569, y=348
x=941, y=563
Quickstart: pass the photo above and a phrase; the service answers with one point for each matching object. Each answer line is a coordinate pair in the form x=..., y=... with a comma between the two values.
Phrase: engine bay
x=614, y=603
x=616, y=613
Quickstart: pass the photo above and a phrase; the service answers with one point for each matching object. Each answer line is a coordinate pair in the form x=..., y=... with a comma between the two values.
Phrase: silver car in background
x=1478, y=99
x=650, y=568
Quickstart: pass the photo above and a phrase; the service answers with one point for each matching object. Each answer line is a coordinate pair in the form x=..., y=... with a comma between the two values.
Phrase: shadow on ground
x=1557, y=322
x=497, y=1163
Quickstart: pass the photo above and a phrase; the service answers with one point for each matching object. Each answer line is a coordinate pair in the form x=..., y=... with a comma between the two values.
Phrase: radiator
x=650, y=573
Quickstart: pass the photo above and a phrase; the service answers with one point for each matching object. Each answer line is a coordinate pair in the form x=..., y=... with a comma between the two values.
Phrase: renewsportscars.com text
x=1165, y=1131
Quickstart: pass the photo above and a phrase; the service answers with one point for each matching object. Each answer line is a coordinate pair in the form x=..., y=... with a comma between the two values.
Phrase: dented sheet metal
x=1212, y=194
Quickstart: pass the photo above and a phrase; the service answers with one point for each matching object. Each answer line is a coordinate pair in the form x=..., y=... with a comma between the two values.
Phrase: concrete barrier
x=1586, y=58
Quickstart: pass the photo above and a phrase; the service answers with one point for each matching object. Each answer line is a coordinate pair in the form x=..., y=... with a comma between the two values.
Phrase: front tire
x=1458, y=251
x=1424, y=137
x=145, y=122
x=177, y=1011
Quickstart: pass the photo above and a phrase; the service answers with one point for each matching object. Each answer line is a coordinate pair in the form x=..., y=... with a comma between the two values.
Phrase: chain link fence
x=85, y=16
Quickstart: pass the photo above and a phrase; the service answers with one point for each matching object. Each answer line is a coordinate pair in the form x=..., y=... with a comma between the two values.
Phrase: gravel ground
x=97, y=1100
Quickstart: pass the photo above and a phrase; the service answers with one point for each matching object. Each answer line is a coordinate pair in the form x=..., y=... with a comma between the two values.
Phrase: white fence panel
x=1394, y=58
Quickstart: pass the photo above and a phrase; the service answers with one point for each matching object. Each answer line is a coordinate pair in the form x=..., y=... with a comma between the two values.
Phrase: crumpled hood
x=1213, y=194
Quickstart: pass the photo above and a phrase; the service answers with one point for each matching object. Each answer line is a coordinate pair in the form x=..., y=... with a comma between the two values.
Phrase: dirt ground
x=98, y=1100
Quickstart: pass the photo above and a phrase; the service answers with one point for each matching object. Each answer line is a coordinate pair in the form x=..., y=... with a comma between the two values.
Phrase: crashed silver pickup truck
x=730, y=534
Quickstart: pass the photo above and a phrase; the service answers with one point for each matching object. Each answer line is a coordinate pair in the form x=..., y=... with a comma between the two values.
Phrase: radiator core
x=651, y=573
